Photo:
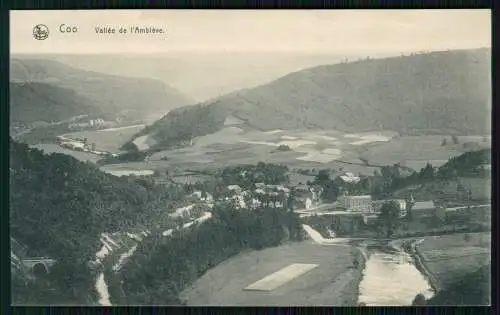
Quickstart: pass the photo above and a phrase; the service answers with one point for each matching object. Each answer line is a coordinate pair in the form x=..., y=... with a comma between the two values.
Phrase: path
x=101, y=285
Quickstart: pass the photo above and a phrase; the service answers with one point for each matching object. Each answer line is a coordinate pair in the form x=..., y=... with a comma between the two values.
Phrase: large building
x=356, y=203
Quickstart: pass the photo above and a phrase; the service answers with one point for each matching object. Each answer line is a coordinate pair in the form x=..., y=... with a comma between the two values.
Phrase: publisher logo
x=41, y=32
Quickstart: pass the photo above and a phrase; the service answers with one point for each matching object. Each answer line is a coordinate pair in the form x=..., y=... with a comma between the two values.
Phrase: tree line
x=59, y=207
x=163, y=267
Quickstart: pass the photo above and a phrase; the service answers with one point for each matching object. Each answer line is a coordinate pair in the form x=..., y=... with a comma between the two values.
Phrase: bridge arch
x=39, y=269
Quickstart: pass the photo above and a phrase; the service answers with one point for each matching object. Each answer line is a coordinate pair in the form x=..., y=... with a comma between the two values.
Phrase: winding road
x=100, y=285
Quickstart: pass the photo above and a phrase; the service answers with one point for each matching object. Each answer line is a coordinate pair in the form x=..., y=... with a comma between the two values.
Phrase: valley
x=338, y=185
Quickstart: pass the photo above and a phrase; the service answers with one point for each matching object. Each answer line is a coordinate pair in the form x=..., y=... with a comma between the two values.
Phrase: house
x=260, y=185
x=369, y=219
x=260, y=191
x=316, y=192
x=302, y=188
x=283, y=189
x=356, y=203
x=198, y=195
x=234, y=188
x=349, y=178
x=485, y=167
x=423, y=209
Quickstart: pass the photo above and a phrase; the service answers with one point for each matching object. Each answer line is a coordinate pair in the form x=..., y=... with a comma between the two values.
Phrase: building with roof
x=423, y=209
x=234, y=188
x=356, y=203
x=349, y=178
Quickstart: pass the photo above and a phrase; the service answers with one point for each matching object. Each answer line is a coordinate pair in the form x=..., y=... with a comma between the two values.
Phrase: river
x=390, y=278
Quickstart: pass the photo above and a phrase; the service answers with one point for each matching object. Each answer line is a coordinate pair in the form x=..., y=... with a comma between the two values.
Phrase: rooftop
x=422, y=205
x=359, y=197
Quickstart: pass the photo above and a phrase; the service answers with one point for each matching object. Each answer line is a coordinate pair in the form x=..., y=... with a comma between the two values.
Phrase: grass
x=108, y=140
x=333, y=282
x=412, y=150
x=449, y=257
x=49, y=148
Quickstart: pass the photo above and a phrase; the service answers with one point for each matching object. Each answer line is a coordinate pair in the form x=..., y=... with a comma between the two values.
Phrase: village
x=306, y=199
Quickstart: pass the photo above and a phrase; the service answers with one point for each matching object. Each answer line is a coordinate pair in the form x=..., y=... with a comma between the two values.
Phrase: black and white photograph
x=250, y=157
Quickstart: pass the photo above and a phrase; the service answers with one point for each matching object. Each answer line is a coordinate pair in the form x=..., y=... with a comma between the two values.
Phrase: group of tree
x=246, y=176
x=162, y=268
x=181, y=125
x=388, y=219
x=466, y=164
x=59, y=207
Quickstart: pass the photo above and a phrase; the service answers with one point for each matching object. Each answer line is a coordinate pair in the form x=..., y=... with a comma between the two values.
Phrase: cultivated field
x=307, y=149
x=332, y=282
x=110, y=139
x=449, y=257
x=49, y=148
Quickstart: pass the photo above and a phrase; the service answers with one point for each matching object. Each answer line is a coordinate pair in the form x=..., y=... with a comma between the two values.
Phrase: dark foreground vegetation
x=163, y=267
x=59, y=207
x=472, y=289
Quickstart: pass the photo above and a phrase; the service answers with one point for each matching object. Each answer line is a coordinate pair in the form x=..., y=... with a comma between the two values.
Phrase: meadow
x=110, y=139
x=332, y=282
x=448, y=257
x=307, y=149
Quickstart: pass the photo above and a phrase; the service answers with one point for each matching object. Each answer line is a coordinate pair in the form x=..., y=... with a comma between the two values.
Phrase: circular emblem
x=41, y=32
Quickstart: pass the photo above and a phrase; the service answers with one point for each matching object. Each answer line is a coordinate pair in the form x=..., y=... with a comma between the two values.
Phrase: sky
x=297, y=31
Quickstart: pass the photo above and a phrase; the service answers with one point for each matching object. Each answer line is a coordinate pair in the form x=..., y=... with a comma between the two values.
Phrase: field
x=448, y=257
x=110, y=139
x=332, y=282
x=416, y=151
x=307, y=149
x=49, y=148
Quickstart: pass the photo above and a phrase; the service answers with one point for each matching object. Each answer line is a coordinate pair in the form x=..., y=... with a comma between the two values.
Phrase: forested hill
x=439, y=92
x=35, y=102
x=468, y=163
x=109, y=93
x=60, y=206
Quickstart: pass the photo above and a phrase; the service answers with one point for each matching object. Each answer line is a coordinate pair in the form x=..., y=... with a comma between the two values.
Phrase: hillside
x=132, y=98
x=59, y=207
x=439, y=92
x=473, y=289
x=36, y=102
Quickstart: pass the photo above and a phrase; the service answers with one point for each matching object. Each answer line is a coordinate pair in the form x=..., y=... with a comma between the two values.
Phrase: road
x=102, y=287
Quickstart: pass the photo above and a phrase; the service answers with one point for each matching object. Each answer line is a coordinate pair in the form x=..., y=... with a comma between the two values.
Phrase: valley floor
x=332, y=283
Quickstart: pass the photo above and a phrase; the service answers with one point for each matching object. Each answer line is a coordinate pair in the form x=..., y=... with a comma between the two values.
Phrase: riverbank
x=350, y=293
x=411, y=248
x=446, y=259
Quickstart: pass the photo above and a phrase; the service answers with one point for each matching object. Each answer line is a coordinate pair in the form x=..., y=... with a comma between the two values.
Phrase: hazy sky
x=318, y=31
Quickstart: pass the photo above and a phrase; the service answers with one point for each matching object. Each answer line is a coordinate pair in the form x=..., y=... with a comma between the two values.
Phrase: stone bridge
x=39, y=265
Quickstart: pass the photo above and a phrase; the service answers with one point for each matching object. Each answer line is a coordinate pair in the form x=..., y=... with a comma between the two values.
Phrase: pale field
x=309, y=149
x=109, y=140
x=281, y=277
x=49, y=148
x=330, y=283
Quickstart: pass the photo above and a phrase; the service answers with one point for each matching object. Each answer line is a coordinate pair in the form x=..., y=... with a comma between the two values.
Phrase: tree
x=444, y=143
x=388, y=219
x=454, y=139
x=419, y=300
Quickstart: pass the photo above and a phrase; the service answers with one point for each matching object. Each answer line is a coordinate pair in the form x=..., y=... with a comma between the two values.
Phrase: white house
x=356, y=203
x=234, y=188
x=349, y=178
